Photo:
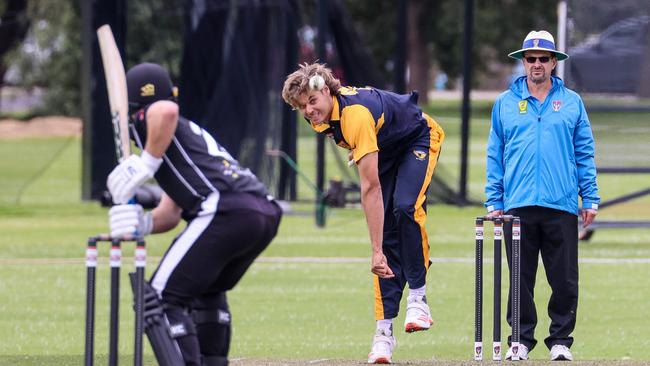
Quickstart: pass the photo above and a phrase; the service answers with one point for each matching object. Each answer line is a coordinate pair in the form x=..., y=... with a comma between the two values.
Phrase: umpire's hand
x=588, y=216
x=495, y=213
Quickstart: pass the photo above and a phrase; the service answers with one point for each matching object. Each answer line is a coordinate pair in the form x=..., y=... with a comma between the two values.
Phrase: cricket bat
x=117, y=93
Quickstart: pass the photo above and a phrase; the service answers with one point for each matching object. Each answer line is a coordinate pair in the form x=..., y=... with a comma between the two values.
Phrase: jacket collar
x=520, y=87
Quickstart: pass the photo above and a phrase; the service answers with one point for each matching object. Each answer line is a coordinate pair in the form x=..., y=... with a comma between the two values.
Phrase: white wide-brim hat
x=539, y=41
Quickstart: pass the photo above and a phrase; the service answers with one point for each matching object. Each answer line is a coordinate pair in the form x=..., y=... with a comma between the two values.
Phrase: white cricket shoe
x=382, y=348
x=418, y=316
x=561, y=353
x=523, y=353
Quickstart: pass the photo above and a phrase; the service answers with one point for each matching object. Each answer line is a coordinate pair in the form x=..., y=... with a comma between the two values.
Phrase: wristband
x=147, y=224
x=152, y=162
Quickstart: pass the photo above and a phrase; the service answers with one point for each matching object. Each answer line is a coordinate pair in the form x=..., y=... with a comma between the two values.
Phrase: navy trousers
x=404, y=175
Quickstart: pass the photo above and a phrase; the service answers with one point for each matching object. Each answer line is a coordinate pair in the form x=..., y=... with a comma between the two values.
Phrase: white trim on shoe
x=560, y=352
x=418, y=315
x=382, y=348
x=522, y=352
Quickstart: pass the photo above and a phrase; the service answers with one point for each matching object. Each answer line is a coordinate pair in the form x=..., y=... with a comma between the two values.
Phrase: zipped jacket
x=540, y=154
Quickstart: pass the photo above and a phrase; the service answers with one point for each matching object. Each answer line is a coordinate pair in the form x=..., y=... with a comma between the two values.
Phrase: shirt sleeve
x=495, y=164
x=583, y=143
x=358, y=128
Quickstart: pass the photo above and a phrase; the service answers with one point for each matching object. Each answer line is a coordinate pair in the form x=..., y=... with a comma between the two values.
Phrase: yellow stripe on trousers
x=379, y=305
x=437, y=136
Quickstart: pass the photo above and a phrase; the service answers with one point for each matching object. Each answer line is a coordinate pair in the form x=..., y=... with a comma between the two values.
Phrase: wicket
x=515, y=274
x=115, y=264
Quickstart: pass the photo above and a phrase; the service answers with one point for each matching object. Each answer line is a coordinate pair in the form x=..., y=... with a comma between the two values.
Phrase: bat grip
x=132, y=201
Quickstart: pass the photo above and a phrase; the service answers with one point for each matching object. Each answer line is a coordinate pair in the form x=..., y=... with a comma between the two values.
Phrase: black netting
x=236, y=56
x=235, y=59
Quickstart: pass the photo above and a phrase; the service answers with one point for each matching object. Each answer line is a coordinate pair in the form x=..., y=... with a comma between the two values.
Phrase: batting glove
x=129, y=220
x=131, y=174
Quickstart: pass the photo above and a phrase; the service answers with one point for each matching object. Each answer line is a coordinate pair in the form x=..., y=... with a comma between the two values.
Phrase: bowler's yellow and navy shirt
x=366, y=120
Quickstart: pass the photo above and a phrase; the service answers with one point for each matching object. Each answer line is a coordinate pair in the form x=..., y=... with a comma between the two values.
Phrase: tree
x=155, y=33
x=13, y=27
x=418, y=51
x=54, y=27
x=376, y=22
x=54, y=33
x=500, y=26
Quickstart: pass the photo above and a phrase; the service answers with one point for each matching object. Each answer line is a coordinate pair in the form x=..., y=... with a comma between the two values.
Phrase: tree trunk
x=418, y=55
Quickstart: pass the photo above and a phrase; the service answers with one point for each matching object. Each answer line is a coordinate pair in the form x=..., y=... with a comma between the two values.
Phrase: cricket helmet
x=148, y=83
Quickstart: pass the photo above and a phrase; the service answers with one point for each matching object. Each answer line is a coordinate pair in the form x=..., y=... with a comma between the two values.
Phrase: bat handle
x=132, y=201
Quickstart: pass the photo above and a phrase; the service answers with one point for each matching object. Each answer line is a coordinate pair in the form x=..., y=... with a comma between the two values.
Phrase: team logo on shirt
x=420, y=155
x=148, y=90
x=523, y=106
x=557, y=104
x=348, y=91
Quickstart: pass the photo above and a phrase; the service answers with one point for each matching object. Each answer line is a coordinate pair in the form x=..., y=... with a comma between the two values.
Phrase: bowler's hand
x=380, y=265
x=588, y=216
x=495, y=213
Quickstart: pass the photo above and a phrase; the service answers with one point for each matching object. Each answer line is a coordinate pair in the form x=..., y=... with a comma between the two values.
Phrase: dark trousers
x=554, y=235
x=214, y=251
x=208, y=258
x=404, y=176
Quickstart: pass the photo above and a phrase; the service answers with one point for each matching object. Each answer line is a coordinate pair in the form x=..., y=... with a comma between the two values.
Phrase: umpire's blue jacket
x=540, y=154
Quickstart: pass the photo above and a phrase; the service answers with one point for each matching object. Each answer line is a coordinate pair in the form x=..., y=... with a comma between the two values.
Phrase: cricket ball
x=316, y=82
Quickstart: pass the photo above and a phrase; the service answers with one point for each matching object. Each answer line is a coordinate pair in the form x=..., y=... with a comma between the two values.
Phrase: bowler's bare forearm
x=372, y=200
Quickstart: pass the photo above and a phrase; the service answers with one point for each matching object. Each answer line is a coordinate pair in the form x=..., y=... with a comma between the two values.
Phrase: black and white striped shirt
x=195, y=166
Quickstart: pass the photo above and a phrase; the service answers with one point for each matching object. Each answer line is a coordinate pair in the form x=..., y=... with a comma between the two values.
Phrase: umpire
x=230, y=219
x=540, y=159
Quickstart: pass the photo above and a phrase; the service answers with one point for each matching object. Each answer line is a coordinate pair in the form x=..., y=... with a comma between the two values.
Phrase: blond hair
x=297, y=83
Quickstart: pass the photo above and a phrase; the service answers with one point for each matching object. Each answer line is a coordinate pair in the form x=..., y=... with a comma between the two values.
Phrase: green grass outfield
x=308, y=299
